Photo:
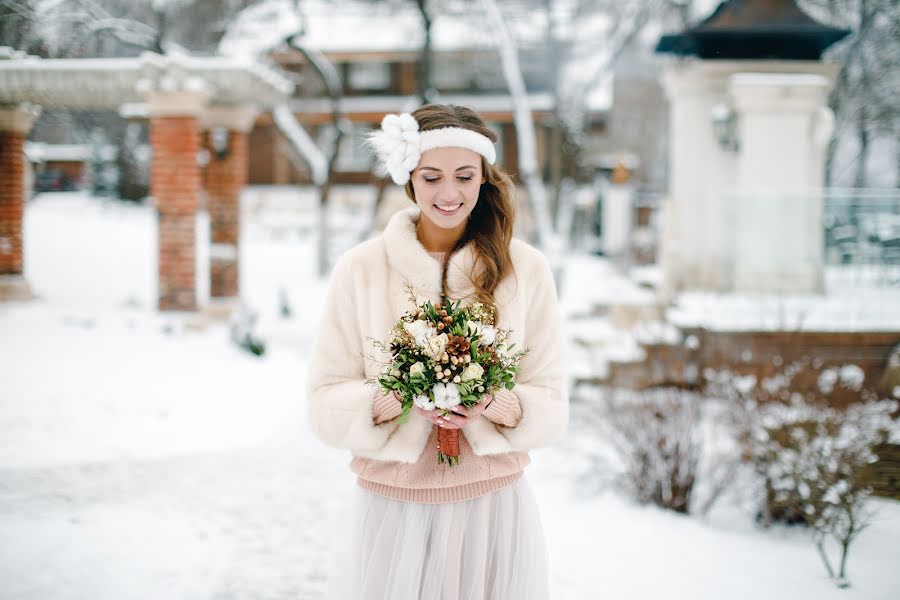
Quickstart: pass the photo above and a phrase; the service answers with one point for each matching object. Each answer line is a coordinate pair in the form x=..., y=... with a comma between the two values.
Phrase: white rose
x=487, y=333
x=423, y=402
x=417, y=367
x=473, y=326
x=473, y=371
x=420, y=331
x=436, y=345
x=446, y=396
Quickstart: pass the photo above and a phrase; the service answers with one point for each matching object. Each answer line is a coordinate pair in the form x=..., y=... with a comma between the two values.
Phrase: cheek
x=472, y=189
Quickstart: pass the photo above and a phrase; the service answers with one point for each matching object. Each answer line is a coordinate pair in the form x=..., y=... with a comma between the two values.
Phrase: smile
x=453, y=210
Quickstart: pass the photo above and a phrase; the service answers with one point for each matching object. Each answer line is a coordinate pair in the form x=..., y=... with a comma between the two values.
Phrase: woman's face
x=448, y=178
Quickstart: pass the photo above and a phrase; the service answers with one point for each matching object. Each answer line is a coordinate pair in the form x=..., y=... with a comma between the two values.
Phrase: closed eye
x=462, y=179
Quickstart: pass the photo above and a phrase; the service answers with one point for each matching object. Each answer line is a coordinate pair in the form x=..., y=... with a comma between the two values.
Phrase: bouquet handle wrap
x=448, y=445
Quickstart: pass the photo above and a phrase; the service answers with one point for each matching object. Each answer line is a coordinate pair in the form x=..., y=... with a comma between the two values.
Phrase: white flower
x=417, y=367
x=423, y=402
x=446, y=396
x=487, y=332
x=421, y=331
x=397, y=145
x=473, y=371
x=436, y=346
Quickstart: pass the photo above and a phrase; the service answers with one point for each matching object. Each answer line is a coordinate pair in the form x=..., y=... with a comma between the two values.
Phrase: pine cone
x=457, y=345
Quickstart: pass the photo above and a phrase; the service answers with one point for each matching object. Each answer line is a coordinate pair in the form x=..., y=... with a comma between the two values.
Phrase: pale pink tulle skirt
x=487, y=548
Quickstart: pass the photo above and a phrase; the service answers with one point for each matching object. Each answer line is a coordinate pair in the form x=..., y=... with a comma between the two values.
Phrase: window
x=369, y=76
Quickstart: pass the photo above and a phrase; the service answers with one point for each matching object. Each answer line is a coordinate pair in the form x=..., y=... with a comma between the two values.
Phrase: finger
x=456, y=420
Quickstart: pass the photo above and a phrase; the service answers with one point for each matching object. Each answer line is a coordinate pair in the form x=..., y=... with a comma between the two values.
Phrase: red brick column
x=15, y=123
x=224, y=178
x=12, y=205
x=175, y=184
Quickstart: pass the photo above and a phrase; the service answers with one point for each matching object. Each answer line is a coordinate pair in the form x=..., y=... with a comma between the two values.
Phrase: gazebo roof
x=107, y=83
x=754, y=29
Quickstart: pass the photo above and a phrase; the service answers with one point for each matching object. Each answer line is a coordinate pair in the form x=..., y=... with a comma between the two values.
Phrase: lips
x=446, y=212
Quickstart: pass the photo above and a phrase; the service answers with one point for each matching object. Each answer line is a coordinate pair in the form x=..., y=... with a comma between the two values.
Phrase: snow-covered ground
x=142, y=456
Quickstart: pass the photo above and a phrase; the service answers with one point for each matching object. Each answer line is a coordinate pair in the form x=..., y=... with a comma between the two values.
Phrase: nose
x=449, y=189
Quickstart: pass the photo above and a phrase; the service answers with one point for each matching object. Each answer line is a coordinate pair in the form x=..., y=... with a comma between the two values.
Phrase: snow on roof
x=95, y=83
x=43, y=152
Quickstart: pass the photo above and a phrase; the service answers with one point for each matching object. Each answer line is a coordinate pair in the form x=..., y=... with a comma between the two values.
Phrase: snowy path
x=142, y=461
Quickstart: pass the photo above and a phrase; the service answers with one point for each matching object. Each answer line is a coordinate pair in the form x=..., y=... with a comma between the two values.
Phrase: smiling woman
x=421, y=528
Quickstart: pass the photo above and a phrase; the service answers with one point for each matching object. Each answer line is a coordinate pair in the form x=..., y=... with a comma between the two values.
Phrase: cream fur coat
x=365, y=298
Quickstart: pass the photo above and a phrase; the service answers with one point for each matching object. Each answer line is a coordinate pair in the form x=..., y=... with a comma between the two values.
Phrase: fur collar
x=411, y=260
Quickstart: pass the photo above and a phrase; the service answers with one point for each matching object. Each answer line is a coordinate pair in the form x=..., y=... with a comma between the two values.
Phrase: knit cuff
x=505, y=409
x=385, y=407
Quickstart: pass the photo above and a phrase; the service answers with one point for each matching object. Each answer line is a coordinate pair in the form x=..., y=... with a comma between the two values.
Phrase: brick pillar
x=224, y=177
x=12, y=205
x=175, y=185
x=15, y=123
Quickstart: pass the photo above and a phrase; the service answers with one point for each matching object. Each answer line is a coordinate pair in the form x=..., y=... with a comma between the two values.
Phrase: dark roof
x=754, y=29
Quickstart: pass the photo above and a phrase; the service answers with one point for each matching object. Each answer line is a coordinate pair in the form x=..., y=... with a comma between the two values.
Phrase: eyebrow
x=439, y=171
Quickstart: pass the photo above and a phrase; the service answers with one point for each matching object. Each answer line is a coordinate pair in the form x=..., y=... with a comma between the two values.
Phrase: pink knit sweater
x=430, y=482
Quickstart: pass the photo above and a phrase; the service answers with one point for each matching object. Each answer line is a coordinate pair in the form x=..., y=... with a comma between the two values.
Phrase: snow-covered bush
x=243, y=331
x=660, y=437
x=810, y=456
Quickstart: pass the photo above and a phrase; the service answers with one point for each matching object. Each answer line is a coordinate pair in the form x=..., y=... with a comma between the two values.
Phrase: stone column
x=225, y=139
x=784, y=126
x=175, y=186
x=15, y=123
x=715, y=188
x=692, y=250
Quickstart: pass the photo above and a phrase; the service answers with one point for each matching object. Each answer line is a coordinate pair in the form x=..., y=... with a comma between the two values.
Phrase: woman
x=425, y=530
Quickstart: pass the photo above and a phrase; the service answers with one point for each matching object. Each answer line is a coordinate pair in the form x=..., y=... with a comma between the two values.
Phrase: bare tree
x=334, y=88
x=866, y=91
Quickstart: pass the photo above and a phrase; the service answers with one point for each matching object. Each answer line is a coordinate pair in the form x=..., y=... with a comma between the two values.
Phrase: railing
x=861, y=237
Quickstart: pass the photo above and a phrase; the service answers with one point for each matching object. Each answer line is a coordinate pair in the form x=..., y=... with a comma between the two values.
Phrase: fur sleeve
x=542, y=381
x=339, y=400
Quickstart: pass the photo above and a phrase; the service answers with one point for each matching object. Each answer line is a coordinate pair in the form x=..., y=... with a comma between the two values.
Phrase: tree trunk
x=525, y=137
x=862, y=130
x=426, y=93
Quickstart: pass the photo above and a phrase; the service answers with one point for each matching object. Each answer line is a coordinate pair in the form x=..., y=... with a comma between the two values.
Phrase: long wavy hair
x=490, y=226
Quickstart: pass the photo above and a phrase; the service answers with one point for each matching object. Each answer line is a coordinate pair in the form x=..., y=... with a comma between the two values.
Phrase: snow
x=42, y=152
x=841, y=308
x=287, y=124
x=142, y=455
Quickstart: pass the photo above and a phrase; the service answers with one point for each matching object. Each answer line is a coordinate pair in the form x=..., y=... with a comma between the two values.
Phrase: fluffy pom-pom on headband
x=399, y=144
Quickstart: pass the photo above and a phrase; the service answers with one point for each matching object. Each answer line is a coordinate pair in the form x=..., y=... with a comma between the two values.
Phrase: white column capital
x=18, y=118
x=235, y=118
x=778, y=92
x=176, y=103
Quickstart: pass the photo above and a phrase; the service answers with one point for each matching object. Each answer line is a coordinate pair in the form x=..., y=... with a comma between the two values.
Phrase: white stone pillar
x=618, y=222
x=783, y=128
x=703, y=215
x=693, y=243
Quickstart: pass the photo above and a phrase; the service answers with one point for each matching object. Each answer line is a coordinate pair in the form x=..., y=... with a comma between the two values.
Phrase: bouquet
x=446, y=355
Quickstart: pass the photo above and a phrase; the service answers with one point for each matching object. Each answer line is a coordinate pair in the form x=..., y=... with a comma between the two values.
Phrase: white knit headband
x=399, y=144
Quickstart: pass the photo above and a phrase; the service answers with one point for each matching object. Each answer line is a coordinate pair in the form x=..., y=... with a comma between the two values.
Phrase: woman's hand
x=459, y=418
